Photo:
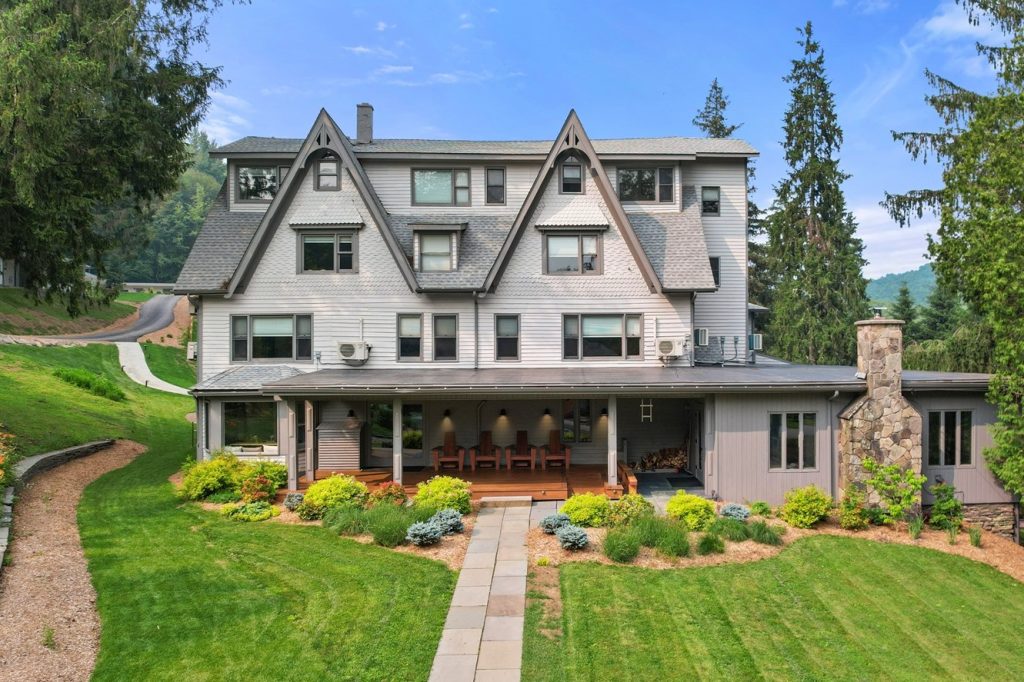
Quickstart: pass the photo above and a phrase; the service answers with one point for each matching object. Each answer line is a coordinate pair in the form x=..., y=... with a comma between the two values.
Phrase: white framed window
x=950, y=438
x=435, y=253
x=792, y=441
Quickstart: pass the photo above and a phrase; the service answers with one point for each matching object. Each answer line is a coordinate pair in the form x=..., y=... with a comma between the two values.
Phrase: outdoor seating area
x=517, y=454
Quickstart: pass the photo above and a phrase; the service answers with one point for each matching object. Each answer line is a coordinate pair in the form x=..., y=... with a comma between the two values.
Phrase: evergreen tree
x=943, y=314
x=814, y=256
x=712, y=121
x=978, y=250
x=904, y=309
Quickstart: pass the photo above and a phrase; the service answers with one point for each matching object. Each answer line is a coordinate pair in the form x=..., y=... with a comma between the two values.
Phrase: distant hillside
x=887, y=288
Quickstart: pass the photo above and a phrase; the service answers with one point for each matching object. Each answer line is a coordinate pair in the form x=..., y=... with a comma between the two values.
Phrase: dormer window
x=440, y=187
x=572, y=176
x=436, y=251
x=646, y=184
x=328, y=174
x=256, y=183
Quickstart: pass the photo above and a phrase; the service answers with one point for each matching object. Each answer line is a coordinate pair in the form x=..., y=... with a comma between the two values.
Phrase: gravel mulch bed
x=49, y=628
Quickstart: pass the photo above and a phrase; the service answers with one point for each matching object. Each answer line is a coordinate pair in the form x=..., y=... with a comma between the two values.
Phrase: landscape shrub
x=448, y=520
x=898, y=487
x=543, y=561
x=674, y=541
x=309, y=512
x=8, y=458
x=276, y=473
x=649, y=529
x=629, y=508
x=250, y=511
x=588, y=510
x=695, y=512
x=572, y=537
x=444, y=492
x=549, y=524
x=735, y=511
x=345, y=521
x=761, y=509
x=974, y=533
x=224, y=496
x=388, y=525
x=424, y=534
x=764, y=534
x=94, y=383
x=952, y=532
x=852, y=514
x=710, y=543
x=947, y=510
x=293, y=500
x=621, y=545
x=915, y=526
x=256, y=489
x=331, y=493
x=729, y=528
x=805, y=506
x=221, y=472
x=388, y=493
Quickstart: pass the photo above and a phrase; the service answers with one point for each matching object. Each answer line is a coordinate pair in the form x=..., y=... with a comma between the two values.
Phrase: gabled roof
x=675, y=244
x=479, y=243
x=573, y=137
x=324, y=135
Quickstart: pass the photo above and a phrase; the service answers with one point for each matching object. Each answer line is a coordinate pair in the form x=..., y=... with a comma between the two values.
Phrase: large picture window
x=440, y=187
x=250, y=424
x=792, y=440
x=382, y=428
x=572, y=254
x=256, y=183
x=950, y=438
x=602, y=336
x=271, y=337
x=328, y=252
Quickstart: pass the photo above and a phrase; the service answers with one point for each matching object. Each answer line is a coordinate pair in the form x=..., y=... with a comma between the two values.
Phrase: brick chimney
x=881, y=424
x=364, y=123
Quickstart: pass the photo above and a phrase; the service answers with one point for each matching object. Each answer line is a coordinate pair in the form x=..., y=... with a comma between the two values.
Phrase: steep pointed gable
x=573, y=137
x=323, y=135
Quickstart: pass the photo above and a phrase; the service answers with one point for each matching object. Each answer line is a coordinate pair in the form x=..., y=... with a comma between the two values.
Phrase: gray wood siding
x=393, y=182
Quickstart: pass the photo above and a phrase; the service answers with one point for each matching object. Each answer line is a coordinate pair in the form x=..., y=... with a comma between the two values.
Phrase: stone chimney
x=881, y=424
x=364, y=123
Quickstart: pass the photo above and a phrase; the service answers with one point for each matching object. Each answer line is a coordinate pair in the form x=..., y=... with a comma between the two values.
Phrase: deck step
x=507, y=501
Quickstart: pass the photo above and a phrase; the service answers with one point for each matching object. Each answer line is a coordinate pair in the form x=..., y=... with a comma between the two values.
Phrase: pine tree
x=814, y=256
x=943, y=314
x=978, y=250
x=711, y=119
x=904, y=309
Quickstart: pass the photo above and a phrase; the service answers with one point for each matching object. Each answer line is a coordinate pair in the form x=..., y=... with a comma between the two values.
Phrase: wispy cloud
x=465, y=21
x=392, y=68
x=950, y=22
x=887, y=247
x=864, y=6
x=455, y=78
x=384, y=26
x=225, y=119
x=364, y=51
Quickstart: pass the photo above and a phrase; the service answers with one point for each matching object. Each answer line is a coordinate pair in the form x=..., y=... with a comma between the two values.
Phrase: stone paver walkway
x=483, y=636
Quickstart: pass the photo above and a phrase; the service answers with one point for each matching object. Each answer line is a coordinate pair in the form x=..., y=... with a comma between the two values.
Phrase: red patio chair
x=555, y=451
x=522, y=451
x=449, y=453
x=486, y=451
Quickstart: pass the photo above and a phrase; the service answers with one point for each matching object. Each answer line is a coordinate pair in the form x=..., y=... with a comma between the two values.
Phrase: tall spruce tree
x=712, y=121
x=904, y=309
x=978, y=250
x=813, y=254
x=943, y=314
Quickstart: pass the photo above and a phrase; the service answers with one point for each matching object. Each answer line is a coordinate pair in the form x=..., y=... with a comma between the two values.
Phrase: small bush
x=418, y=514
x=876, y=516
x=805, y=507
x=946, y=511
x=424, y=534
x=9, y=456
x=345, y=521
x=852, y=514
x=764, y=534
x=250, y=511
x=761, y=509
x=448, y=520
x=915, y=526
x=388, y=525
x=735, y=511
x=543, y=561
x=221, y=472
x=388, y=493
x=695, y=512
x=572, y=537
x=649, y=529
x=710, y=543
x=309, y=512
x=674, y=541
x=974, y=533
x=94, y=383
x=621, y=545
x=333, y=493
x=276, y=473
x=293, y=500
x=629, y=508
x=256, y=489
x=444, y=492
x=588, y=510
x=899, y=487
x=729, y=528
x=224, y=496
x=952, y=531
x=549, y=524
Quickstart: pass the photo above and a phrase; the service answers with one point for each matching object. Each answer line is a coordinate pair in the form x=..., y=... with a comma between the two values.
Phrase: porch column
x=307, y=406
x=286, y=443
x=613, y=442
x=396, y=440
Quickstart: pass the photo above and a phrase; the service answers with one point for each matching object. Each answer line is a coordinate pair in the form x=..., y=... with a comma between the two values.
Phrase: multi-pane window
x=271, y=337
x=577, y=422
x=328, y=252
x=792, y=440
x=574, y=254
x=440, y=187
x=436, y=251
x=250, y=423
x=446, y=337
x=506, y=333
x=410, y=337
x=950, y=438
x=382, y=427
x=710, y=200
x=495, y=190
x=572, y=176
x=646, y=184
x=716, y=269
x=256, y=183
x=602, y=336
x=328, y=174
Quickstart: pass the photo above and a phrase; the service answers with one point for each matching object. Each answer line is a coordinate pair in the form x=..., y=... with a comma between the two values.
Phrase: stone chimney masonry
x=881, y=424
x=364, y=123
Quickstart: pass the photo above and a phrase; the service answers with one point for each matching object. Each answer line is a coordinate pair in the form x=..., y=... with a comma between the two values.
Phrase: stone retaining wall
x=997, y=518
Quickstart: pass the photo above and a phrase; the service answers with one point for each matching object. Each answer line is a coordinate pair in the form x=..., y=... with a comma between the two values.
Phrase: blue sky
x=495, y=70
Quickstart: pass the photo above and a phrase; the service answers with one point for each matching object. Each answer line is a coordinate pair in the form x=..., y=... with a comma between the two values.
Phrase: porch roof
x=592, y=379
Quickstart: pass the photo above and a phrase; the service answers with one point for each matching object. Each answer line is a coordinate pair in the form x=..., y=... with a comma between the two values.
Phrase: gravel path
x=46, y=589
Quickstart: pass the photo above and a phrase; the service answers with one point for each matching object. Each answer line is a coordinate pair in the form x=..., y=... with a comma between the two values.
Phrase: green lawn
x=186, y=594
x=20, y=315
x=826, y=608
x=136, y=296
x=169, y=363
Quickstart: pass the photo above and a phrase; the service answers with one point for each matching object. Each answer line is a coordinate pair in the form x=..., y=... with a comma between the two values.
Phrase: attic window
x=440, y=187
x=572, y=176
x=256, y=183
x=328, y=174
x=436, y=251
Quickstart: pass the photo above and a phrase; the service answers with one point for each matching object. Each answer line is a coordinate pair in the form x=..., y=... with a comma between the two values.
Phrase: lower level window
x=792, y=441
x=271, y=337
x=602, y=336
x=382, y=427
x=250, y=424
x=577, y=421
x=949, y=437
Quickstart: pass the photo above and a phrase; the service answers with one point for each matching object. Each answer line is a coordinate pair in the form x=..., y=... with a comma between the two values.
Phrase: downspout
x=476, y=330
x=832, y=464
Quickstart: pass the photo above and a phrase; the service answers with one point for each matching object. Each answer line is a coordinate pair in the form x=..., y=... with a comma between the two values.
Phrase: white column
x=310, y=440
x=286, y=443
x=613, y=442
x=396, y=439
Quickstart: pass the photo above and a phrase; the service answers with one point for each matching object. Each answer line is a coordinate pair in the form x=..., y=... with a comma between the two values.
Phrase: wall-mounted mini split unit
x=354, y=351
x=700, y=336
x=670, y=347
x=755, y=342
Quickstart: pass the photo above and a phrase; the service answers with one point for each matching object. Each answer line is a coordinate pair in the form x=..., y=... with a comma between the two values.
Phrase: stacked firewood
x=666, y=458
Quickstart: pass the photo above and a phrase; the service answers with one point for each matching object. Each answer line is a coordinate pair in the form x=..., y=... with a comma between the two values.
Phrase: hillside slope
x=21, y=315
x=920, y=282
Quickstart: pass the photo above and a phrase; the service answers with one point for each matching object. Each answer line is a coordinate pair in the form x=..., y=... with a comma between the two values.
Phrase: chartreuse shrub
x=444, y=492
x=735, y=511
x=946, y=511
x=898, y=487
x=621, y=545
x=729, y=528
x=805, y=506
x=710, y=543
x=629, y=508
x=588, y=510
x=693, y=511
x=572, y=537
x=94, y=383
x=222, y=472
x=250, y=511
x=761, y=509
x=852, y=514
x=764, y=534
x=550, y=524
x=332, y=493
